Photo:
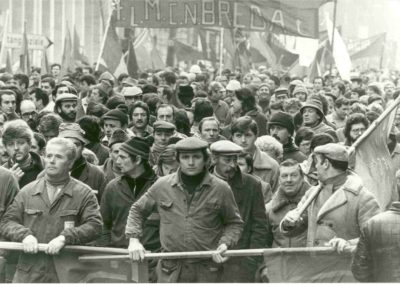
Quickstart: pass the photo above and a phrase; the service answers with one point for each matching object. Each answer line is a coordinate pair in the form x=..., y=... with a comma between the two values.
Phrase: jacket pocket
x=165, y=208
x=69, y=218
x=31, y=217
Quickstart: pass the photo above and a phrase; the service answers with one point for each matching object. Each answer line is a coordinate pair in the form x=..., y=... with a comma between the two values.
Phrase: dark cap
x=116, y=114
x=283, y=119
x=313, y=103
x=118, y=136
x=137, y=146
x=225, y=147
x=163, y=125
x=72, y=130
x=191, y=144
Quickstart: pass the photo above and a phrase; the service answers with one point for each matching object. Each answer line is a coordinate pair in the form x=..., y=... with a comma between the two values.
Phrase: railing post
x=139, y=272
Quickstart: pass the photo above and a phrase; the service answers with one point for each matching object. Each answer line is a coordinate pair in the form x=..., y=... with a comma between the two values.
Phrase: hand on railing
x=340, y=245
x=217, y=255
x=30, y=244
x=55, y=245
x=136, y=250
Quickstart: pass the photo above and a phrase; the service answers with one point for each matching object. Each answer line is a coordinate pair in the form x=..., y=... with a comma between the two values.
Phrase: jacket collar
x=176, y=180
x=41, y=185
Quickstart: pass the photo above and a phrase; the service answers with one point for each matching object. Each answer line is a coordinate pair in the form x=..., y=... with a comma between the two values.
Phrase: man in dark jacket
x=54, y=209
x=81, y=169
x=24, y=164
x=377, y=255
x=281, y=127
x=249, y=197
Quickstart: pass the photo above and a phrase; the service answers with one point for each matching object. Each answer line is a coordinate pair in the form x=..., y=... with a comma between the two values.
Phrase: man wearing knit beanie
x=119, y=195
x=281, y=127
x=110, y=168
x=300, y=92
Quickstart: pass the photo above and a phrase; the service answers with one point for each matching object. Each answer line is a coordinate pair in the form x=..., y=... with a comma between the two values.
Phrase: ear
x=139, y=160
x=214, y=159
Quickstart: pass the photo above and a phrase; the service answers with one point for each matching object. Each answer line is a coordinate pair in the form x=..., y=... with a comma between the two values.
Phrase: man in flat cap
x=190, y=202
x=340, y=209
x=81, y=169
x=249, y=197
x=163, y=130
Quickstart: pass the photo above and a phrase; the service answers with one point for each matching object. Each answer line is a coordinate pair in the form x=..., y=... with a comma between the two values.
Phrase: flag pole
x=103, y=43
x=374, y=125
x=221, y=51
x=333, y=31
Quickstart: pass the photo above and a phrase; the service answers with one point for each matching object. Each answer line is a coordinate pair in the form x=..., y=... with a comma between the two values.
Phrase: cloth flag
x=3, y=49
x=306, y=267
x=67, y=64
x=147, y=55
x=373, y=162
x=8, y=63
x=374, y=48
x=185, y=52
x=111, y=57
x=260, y=50
x=131, y=61
x=339, y=51
x=24, y=64
x=45, y=63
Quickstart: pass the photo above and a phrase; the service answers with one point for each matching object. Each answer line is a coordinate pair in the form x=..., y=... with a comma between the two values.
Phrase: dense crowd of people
x=181, y=161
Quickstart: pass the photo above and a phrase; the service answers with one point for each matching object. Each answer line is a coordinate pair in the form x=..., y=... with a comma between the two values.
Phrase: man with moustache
x=313, y=117
x=281, y=127
x=23, y=163
x=29, y=114
x=65, y=106
x=249, y=197
x=356, y=125
x=140, y=115
x=190, y=202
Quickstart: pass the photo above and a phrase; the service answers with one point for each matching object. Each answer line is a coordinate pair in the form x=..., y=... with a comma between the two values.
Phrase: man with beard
x=23, y=163
x=281, y=127
x=292, y=188
x=163, y=130
x=81, y=169
x=209, y=130
x=65, y=107
x=248, y=195
x=140, y=115
x=110, y=168
x=29, y=114
x=356, y=125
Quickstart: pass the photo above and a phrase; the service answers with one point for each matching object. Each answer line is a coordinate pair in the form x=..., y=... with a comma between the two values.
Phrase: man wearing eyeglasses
x=29, y=114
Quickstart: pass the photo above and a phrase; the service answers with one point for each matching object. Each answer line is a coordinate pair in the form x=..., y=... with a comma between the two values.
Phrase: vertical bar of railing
x=139, y=272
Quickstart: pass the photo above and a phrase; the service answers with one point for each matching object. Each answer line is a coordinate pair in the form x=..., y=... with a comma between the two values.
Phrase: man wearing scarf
x=281, y=127
x=163, y=130
x=55, y=209
x=136, y=177
x=167, y=163
x=81, y=169
x=291, y=189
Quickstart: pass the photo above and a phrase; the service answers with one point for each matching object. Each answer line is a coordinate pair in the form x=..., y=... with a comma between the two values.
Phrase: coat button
x=316, y=243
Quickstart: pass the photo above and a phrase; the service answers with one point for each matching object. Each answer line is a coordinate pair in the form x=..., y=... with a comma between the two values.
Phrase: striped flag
x=67, y=64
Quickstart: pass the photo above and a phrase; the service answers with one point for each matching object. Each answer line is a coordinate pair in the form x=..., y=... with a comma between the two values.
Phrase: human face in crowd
x=8, y=103
x=304, y=147
x=247, y=79
x=110, y=125
x=331, y=104
x=68, y=108
x=355, y=84
x=35, y=77
x=18, y=149
x=35, y=147
x=210, y=131
x=310, y=116
x=192, y=163
x=114, y=151
x=229, y=97
x=29, y=114
x=139, y=118
x=318, y=84
x=226, y=165
x=264, y=94
x=389, y=89
x=125, y=162
x=354, y=96
x=62, y=90
x=236, y=105
x=245, y=140
x=57, y=162
x=301, y=96
x=217, y=93
x=84, y=86
x=161, y=137
x=130, y=100
x=95, y=96
x=223, y=80
x=47, y=88
x=166, y=114
x=343, y=111
x=49, y=134
x=356, y=131
x=55, y=71
x=170, y=167
x=335, y=91
x=242, y=164
x=321, y=166
x=290, y=180
x=280, y=133
x=79, y=146
x=281, y=97
x=12, y=82
x=196, y=87
x=3, y=153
